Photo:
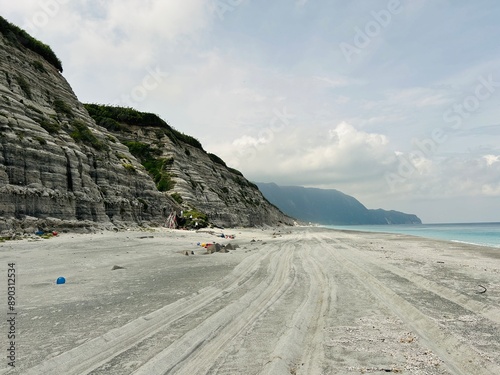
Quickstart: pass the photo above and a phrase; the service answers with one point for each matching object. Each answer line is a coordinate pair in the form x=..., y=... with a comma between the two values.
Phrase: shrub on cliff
x=81, y=133
x=111, y=117
x=155, y=165
x=50, y=126
x=25, y=87
x=61, y=107
x=19, y=37
x=216, y=159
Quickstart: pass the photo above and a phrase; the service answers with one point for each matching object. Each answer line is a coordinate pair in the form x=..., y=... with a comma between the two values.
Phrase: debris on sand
x=483, y=289
x=215, y=248
x=115, y=267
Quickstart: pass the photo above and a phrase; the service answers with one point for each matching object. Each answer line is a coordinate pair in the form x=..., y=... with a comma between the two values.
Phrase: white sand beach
x=287, y=301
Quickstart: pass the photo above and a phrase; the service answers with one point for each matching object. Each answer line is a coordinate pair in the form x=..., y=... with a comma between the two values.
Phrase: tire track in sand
x=100, y=350
x=460, y=358
x=491, y=313
x=195, y=352
x=302, y=345
x=314, y=354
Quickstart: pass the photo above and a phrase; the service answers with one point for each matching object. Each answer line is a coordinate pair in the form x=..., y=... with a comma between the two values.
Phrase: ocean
x=486, y=234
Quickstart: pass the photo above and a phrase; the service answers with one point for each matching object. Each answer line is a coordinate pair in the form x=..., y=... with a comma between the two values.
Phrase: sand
x=287, y=301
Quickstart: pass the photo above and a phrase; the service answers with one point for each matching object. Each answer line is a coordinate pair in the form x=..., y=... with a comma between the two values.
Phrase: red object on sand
x=54, y=233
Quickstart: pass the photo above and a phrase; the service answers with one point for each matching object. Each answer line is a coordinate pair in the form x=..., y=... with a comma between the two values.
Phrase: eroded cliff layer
x=58, y=168
x=197, y=179
x=55, y=163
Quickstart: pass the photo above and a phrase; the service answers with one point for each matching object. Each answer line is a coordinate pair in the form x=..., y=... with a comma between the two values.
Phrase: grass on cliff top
x=217, y=159
x=19, y=38
x=114, y=118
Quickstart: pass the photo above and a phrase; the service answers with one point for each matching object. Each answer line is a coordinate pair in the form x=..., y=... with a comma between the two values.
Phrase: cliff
x=59, y=169
x=329, y=206
x=196, y=179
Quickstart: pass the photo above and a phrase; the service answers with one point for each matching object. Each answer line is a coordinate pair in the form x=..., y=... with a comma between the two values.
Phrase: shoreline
x=431, y=235
x=320, y=299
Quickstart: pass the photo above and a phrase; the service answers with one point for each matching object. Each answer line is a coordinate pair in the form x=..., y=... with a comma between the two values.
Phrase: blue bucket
x=61, y=280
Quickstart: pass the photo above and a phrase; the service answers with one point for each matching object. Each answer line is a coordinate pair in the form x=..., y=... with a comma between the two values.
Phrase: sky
x=395, y=102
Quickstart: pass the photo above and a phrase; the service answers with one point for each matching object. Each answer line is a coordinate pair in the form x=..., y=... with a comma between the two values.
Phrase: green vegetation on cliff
x=20, y=38
x=155, y=165
x=81, y=133
x=217, y=159
x=114, y=118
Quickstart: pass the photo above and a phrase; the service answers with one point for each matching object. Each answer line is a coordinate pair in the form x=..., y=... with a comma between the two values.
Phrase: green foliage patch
x=112, y=118
x=195, y=216
x=61, y=107
x=216, y=159
x=39, y=66
x=25, y=87
x=21, y=38
x=155, y=165
x=177, y=197
x=51, y=127
x=141, y=150
x=235, y=171
x=81, y=133
x=41, y=140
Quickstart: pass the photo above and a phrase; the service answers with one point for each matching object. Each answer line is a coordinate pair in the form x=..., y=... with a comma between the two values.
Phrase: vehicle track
x=195, y=352
x=96, y=352
x=459, y=357
x=314, y=355
x=304, y=326
x=275, y=306
x=489, y=312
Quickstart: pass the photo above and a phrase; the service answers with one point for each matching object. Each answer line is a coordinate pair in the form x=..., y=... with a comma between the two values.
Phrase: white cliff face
x=47, y=173
x=223, y=194
x=59, y=169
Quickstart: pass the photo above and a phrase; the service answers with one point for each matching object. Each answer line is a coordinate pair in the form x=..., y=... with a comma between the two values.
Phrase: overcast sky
x=394, y=102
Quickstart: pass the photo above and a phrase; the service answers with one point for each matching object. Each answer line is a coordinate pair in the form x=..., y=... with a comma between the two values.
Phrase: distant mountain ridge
x=329, y=206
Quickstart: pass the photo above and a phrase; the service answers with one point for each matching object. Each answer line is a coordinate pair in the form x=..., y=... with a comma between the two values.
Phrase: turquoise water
x=486, y=234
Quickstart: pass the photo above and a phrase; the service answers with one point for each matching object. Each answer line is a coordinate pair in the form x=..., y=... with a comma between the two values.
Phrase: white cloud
x=334, y=82
x=449, y=177
x=491, y=190
x=491, y=159
x=297, y=156
x=225, y=78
